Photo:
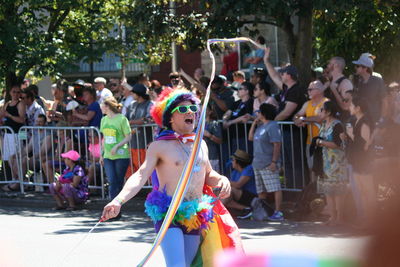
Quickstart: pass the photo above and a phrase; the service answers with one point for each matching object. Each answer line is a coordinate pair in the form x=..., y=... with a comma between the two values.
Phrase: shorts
x=267, y=181
x=246, y=198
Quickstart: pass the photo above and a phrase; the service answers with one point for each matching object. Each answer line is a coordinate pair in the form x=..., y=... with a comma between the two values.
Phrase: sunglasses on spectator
x=360, y=66
x=174, y=77
x=186, y=109
x=310, y=89
x=113, y=84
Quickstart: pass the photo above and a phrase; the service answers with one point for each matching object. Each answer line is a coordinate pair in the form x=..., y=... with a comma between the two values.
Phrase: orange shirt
x=311, y=111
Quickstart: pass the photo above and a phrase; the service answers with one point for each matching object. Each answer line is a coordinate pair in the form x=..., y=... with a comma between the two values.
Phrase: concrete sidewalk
x=45, y=200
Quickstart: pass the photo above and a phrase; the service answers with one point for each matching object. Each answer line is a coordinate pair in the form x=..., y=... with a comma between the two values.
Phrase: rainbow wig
x=167, y=101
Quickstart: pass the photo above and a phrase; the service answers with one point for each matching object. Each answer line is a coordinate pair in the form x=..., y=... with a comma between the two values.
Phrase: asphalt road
x=41, y=237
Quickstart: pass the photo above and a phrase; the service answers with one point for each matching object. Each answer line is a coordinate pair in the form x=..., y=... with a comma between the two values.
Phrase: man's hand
x=225, y=186
x=111, y=210
x=272, y=167
x=267, y=50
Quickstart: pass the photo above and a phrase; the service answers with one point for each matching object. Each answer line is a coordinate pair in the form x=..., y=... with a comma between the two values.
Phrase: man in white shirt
x=102, y=91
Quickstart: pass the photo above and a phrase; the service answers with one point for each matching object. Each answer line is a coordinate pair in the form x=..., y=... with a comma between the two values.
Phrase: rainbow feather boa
x=194, y=214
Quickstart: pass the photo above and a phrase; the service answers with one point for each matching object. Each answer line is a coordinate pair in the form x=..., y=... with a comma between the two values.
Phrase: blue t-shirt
x=247, y=171
x=95, y=121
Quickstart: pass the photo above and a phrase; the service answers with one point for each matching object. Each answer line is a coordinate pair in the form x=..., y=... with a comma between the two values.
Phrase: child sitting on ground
x=72, y=185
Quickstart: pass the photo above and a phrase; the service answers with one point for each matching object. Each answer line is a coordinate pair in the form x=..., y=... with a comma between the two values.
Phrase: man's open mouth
x=189, y=121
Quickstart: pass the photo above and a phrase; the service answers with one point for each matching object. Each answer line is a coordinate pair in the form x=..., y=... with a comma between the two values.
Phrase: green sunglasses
x=186, y=109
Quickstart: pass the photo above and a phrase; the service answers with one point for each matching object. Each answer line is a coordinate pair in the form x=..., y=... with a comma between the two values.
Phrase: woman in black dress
x=360, y=157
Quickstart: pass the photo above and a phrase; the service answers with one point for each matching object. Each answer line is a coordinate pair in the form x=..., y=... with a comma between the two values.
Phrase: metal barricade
x=40, y=156
x=142, y=136
x=294, y=172
x=10, y=161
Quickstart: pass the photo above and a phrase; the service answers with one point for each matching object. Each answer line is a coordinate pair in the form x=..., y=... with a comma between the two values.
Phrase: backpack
x=261, y=210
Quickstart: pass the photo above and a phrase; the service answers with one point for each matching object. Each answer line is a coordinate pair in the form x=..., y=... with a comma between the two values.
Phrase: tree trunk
x=303, y=52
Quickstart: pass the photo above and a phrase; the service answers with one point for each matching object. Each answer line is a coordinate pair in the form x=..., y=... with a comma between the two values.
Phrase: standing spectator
x=155, y=90
x=143, y=78
x=94, y=114
x=102, y=91
x=58, y=110
x=266, y=161
x=360, y=158
x=221, y=97
x=262, y=94
x=198, y=73
x=13, y=115
x=138, y=114
x=243, y=186
x=255, y=59
x=72, y=185
x=176, y=80
x=25, y=84
x=393, y=111
x=116, y=89
x=238, y=78
x=117, y=133
x=309, y=115
x=290, y=99
x=340, y=88
x=39, y=99
x=213, y=138
x=230, y=60
x=33, y=109
x=370, y=87
x=333, y=184
x=127, y=97
x=241, y=113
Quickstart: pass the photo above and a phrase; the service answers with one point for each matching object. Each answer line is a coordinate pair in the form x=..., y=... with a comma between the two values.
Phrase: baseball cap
x=289, y=69
x=139, y=89
x=365, y=60
x=72, y=155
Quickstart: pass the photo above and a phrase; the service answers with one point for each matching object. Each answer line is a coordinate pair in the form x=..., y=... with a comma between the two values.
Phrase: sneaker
x=246, y=213
x=277, y=216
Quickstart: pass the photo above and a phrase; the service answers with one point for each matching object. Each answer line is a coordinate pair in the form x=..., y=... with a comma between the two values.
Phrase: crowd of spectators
x=331, y=133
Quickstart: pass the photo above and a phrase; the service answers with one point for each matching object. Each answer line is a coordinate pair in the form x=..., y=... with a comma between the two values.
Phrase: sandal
x=71, y=208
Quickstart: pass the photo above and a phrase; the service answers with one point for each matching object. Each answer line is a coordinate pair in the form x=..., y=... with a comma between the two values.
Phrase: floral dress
x=334, y=181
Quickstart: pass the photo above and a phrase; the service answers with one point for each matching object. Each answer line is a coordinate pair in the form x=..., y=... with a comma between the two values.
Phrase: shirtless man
x=168, y=158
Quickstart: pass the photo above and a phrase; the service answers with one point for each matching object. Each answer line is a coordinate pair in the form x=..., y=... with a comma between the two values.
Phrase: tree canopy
x=49, y=36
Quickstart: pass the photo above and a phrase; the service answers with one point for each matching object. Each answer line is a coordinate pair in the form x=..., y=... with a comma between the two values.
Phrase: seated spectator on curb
x=30, y=155
x=72, y=185
x=267, y=141
x=213, y=138
x=59, y=141
x=243, y=187
x=309, y=115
